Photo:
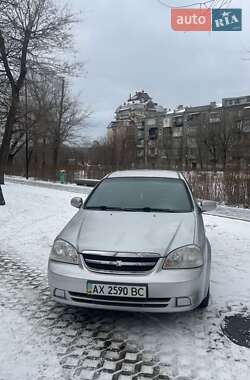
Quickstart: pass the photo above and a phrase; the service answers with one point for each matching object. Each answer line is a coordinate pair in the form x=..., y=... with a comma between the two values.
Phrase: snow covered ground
x=18, y=358
x=232, y=212
x=32, y=218
x=106, y=345
x=71, y=187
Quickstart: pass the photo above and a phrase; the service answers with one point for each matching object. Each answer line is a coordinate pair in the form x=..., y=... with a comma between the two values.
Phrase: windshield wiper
x=105, y=208
x=136, y=209
x=152, y=209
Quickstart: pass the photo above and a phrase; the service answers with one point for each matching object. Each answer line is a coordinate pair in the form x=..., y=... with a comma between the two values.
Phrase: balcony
x=140, y=135
x=152, y=144
x=140, y=144
x=140, y=154
x=214, y=120
x=214, y=117
x=153, y=152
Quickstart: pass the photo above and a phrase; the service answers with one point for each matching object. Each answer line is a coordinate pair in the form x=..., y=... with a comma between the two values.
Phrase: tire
x=205, y=302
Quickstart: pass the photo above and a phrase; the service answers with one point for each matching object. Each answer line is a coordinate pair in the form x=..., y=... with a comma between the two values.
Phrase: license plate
x=116, y=290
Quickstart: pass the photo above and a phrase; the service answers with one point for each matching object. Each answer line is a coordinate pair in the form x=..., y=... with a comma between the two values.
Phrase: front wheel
x=205, y=302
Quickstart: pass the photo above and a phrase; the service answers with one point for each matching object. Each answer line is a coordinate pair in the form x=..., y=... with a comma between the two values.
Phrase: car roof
x=146, y=173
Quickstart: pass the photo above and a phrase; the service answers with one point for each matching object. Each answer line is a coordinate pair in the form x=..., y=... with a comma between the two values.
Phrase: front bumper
x=168, y=290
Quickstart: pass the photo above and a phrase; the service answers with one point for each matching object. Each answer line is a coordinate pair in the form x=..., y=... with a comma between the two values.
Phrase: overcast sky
x=128, y=45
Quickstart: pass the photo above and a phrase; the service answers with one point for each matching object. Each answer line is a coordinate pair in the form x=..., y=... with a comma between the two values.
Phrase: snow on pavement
x=24, y=355
x=186, y=346
x=231, y=212
x=230, y=241
x=71, y=187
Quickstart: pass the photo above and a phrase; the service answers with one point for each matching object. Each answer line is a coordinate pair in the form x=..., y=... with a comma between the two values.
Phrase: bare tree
x=228, y=136
x=208, y=143
x=31, y=32
x=18, y=130
x=218, y=137
x=5, y=95
x=68, y=118
x=55, y=117
x=203, y=3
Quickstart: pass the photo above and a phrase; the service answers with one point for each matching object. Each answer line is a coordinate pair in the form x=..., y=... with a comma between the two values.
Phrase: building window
x=239, y=124
x=178, y=122
x=193, y=116
x=153, y=133
x=246, y=126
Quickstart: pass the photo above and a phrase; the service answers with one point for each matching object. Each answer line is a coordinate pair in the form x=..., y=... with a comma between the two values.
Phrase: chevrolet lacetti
x=137, y=244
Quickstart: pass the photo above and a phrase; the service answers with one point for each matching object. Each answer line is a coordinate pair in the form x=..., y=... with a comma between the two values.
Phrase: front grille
x=119, y=301
x=120, y=263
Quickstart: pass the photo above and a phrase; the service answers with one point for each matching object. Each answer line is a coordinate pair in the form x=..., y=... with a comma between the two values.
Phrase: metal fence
x=224, y=187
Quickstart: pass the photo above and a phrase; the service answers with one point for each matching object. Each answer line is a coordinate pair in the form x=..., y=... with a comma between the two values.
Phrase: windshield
x=141, y=194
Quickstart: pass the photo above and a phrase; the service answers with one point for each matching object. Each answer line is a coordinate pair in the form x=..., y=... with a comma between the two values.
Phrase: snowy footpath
x=40, y=340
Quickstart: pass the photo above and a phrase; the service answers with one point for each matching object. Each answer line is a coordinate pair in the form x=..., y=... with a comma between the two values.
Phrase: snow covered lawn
x=32, y=218
x=187, y=346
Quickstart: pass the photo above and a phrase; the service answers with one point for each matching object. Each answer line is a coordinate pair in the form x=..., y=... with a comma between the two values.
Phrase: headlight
x=184, y=258
x=65, y=252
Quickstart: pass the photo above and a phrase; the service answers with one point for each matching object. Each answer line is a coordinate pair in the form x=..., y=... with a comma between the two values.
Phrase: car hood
x=130, y=231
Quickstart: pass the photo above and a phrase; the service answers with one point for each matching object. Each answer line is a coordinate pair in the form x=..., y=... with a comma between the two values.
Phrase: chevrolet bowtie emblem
x=119, y=263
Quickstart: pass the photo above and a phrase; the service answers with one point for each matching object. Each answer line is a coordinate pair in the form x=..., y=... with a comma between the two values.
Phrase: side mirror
x=76, y=202
x=206, y=206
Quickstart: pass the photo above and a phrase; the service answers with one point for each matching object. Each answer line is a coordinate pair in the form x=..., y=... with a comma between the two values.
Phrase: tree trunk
x=55, y=159
x=35, y=162
x=224, y=158
x=2, y=201
x=10, y=164
x=5, y=147
x=43, y=166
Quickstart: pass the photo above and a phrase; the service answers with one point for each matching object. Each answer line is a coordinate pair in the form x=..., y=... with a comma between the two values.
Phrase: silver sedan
x=137, y=244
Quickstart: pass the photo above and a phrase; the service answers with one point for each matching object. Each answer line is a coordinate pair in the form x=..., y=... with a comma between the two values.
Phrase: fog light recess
x=59, y=293
x=183, y=301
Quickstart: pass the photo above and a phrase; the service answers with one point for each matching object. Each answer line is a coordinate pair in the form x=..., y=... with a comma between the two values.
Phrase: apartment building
x=142, y=119
x=181, y=133
x=209, y=136
x=206, y=137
